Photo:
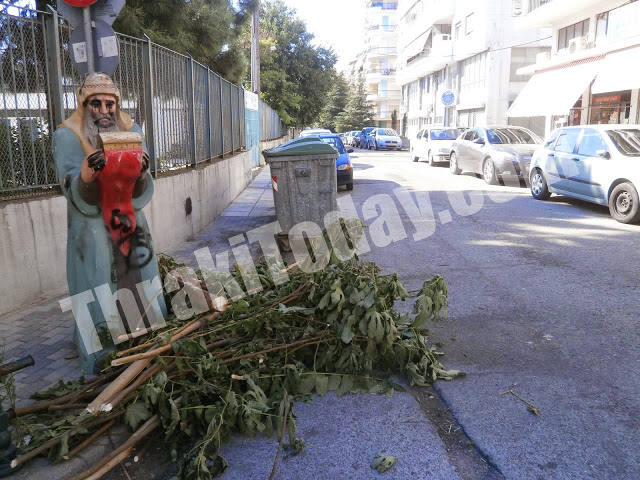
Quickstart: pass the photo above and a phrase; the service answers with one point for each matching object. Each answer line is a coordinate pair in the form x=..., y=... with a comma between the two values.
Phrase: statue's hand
x=91, y=166
x=144, y=163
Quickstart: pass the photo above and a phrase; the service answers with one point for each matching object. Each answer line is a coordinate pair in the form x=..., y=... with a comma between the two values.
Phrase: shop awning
x=555, y=91
x=416, y=46
x=619, y=71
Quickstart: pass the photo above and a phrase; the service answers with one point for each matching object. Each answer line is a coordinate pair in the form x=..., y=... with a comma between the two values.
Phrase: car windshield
x=627, y=141
x=368, y=129
x=386, y=131
x=511, y=135
x=335, y=142
x=449, y=134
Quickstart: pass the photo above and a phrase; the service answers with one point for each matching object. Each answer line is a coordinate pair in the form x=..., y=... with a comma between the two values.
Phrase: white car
x=384, y=138
x=434, y=144
x=596, y=163
x=308, y=132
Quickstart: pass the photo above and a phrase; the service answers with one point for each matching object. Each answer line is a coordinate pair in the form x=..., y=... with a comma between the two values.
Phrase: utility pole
x=255, y=51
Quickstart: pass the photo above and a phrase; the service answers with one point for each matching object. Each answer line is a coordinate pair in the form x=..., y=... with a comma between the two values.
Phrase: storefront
x=610, y=107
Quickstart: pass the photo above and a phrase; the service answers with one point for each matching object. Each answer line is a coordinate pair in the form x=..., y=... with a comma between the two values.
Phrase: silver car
x=494, y=152
x=596, y=163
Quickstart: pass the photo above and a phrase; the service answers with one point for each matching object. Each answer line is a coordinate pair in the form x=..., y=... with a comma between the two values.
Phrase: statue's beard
x=92, y=128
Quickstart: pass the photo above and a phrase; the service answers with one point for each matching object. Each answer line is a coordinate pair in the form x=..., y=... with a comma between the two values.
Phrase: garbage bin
x=303, y=176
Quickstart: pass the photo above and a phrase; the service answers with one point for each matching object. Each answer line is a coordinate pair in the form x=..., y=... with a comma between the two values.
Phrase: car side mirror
x=350, y=150
x=479, y=141
x=603, y=154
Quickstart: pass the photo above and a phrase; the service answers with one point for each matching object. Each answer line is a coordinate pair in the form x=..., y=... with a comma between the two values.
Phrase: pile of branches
x=240, y=368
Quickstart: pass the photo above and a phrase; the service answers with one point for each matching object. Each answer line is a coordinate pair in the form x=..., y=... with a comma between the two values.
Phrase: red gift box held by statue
x=123, y=151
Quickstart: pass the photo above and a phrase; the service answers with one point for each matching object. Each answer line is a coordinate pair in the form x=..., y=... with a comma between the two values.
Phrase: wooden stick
x=160, y=350
x=281, y=347
x=110, y=459
x=42, y=406
x=117, y=460
x=37, y=451
x=134, y=386
x=284, y=427
x=137, y=366
x=118, y=384
x=67, y=406
x=88, y=440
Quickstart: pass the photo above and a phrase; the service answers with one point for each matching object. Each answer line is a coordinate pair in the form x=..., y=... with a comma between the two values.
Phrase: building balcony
x=379, y=52
x=382, y=95
x=376, y=75
x=550, y=13
x=430, y=60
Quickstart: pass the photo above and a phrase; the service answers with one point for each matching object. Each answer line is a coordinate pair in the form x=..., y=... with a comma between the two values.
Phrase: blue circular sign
x=448, y=98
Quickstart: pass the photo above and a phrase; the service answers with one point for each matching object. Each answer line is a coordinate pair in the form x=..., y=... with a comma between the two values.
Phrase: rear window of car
x=627, y=141
x=448, y=134
x=386, y=131
x=511, y=135
x=335, y=142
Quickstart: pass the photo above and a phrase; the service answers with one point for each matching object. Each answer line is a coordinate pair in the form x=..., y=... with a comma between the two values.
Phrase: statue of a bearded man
x=112, y=270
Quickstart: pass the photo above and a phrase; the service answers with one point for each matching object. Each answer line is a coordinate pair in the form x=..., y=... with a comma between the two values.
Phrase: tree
x=405, y=120
x=394, y=120
x=295, y=76
x=211, y=31
x=337, y=101
x=358, y=113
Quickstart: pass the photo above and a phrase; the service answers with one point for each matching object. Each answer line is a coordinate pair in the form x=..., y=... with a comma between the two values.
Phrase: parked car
x=433, y=144
x=596, y=163
x=384, y=138
x=494, y=152
x=348, y=137
x=364, y=137
x=307, y=132
x=354, y=138
x=343, y=163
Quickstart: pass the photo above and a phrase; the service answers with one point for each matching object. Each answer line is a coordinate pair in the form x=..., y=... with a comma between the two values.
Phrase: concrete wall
x=33, y=233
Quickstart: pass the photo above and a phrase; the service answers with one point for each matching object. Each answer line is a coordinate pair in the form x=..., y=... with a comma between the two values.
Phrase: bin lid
x=301, y=146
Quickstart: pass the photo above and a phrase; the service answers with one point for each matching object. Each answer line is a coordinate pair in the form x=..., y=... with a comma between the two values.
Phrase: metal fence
x=271, y=125
x=188, y=113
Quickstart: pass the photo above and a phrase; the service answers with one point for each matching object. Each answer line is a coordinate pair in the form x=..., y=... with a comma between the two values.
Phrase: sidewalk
x=343, y=435
x=43, y=331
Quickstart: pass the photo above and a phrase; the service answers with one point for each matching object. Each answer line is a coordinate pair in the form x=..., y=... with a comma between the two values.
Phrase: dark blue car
x=343, y=163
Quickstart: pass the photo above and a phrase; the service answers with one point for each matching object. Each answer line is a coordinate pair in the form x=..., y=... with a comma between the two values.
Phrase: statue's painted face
x=103, y=110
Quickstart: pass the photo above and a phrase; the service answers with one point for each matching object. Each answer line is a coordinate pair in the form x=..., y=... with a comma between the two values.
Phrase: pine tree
x=358, y=113
x=338, y=99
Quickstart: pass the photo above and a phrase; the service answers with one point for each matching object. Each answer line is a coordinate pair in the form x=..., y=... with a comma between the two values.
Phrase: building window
x=566, y=34
x=468, y=25
x=457, y=31
x=473, y=78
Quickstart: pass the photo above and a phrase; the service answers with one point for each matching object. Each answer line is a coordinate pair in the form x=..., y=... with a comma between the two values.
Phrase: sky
x=338, y=24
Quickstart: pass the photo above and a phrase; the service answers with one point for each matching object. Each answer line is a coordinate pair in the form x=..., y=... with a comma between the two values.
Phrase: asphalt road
x=543, y=301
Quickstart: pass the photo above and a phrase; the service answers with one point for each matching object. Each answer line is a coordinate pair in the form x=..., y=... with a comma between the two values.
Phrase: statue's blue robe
x=92, y=264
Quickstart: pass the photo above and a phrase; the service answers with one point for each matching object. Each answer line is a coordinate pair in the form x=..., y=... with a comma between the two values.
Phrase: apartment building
x=592, y=74
x=457, y=62
x=377, y=65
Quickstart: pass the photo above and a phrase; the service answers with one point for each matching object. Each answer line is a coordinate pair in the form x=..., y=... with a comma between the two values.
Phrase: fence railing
x=188, y=113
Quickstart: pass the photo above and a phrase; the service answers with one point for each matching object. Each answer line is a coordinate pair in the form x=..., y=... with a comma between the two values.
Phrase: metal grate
x=193, y=114
x=26, y=162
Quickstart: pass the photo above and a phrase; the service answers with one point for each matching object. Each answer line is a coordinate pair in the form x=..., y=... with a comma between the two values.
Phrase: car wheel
x=414, y=158
x=624, y=205
x=453, y=165
x=349, y=186
x=398, y=149
x=377, y=147
x=369, y=146
x=489, y=172
x=539, y=189
x=432, y=163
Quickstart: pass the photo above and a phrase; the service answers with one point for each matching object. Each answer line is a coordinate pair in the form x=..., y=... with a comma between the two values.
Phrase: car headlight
x=344, y=166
